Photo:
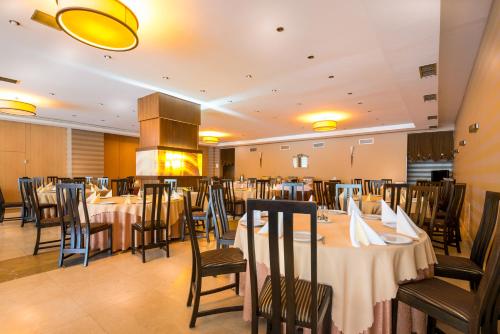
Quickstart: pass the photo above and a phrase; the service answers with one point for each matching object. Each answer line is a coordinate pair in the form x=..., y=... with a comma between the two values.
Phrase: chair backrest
x=319, y=192
x=172, y=182
x=292, y=189
x=29, y=192
x=357, y=181
x=202, y=192
x=373, y=187
x=130, y=184
x=2, y=201
x=52, y=179
x=251, y=181
x=37, y=181
x=455, y=204
x=81, y=180
x=154, y=195
x=329, y=198
x=103, y=182
x=486, y=301
x=22, y=191
x=424, y=197
x=348, y=191
x=195, y=248
x=263, y=189
x=119, y=187
x=445, y=193
x=386, y=181
x=218, y=209
x=396, y=191
x=486, y=227
x=69, y=196
x=88, y=179
x=286, y=209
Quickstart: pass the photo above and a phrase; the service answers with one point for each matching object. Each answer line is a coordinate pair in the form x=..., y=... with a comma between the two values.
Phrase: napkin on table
x=109, y=194
x=91, y=197
x=404, y=225
x=265, y=229
x=311, y=199
x=175, y=196
x=388, y=215
x=96, y=199
x=128, y=200
x=352, y=208
x=104, y=188
x=139, y=194
x=361, y=233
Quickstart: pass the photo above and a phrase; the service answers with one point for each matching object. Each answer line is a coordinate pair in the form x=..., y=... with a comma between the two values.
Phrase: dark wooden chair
x=38, y=181
x=27, y=213
x=131, y=184
x=349, y=190
x=199, y=214
x=119, y=187
x=65, y=180
x=251, y=182
x=210, y=263
x=319, y=192
x=52, y=179
x=9, y=205
x=223, y=235
x=449, y=226
x=234, y=206
x=373, y=187
x=80, y=179
x=40, y=221
x=288, y=299
x=201, y=195
x=329, y=196
x=424, y=212
x=386, y=181
x=103, y=182
x=396, y=191
x=357, y=181
x=154, y=224
x=263, y=189
x=471, y=269
x=172, y=182
x=78, y=229
x=292, y=190
x=469, y=312
x=31, y=208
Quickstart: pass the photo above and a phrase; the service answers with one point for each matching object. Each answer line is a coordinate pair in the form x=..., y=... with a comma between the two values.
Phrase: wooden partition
x=119, y=155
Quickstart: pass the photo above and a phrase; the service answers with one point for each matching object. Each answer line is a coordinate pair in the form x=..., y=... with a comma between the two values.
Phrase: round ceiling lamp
x=326, y=125
x=104, y=24
x=17, y=108
x=210, y=140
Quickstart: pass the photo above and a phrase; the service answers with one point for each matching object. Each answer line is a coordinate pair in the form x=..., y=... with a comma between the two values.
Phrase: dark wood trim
x=168, y=148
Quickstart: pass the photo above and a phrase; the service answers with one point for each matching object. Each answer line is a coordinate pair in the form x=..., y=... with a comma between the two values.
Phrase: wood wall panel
x=119, y=155
x=13, y=136
x=11, y=168
x=87, y=153
x=47, y=151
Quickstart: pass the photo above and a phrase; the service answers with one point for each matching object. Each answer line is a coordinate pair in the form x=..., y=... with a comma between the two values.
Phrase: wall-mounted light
x=473, y=128
x=462, y=143
x=456, y=151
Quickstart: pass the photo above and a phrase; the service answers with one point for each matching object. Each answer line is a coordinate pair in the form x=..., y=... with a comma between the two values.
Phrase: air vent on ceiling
x=429, y=118
x=366, y=141
x=433, y=126
x=430, y=97
x=253, y=149
x=319, y=145
x=284, y=147
x=45, y=19
x=9, y=80
x=427, y=70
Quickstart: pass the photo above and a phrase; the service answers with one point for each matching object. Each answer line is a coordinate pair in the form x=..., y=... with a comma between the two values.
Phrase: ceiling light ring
x=123, y=23
x=15, y=105
x=325, y=125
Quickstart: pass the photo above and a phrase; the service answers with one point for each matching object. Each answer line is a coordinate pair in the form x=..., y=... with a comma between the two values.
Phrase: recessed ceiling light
x=202, y=91
x=274, y=90
x=165, y=77
x=280, y=29
x=310, y=57
x=14, y=22
x=74, y=115
x=369, y=111
x=299, y=103
x=52, y=94
x=107, y=57
x=360, y=102
x=101, y=104
x=133, y=110
x=117, y=116
x=331, y=76
x=229, y=101
x=248, y=76
x=103, y=120
x=376, y=119
x=350, y=93
x=257, y=110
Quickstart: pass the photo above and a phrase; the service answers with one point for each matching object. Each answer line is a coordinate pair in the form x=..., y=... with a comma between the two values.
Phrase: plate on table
x=396, y=239
x=107, y=202
x=323, y=221
x=371, y=217
x=389, y=224
x=128, y=195
x=337, y=212
x=304, y=236
x=259, y=223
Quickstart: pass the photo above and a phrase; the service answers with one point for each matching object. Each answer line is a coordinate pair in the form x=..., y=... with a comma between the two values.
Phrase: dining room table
x=364, y=279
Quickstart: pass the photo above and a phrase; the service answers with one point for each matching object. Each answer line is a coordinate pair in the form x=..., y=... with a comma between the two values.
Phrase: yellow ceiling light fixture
x=325, y=125
x=210, y=140
x=104, y=24
x=17, y=108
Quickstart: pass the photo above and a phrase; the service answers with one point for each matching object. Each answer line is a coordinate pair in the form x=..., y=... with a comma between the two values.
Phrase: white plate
x=337, y=212
x=107, y=202
x=128, y=195
x=255, y=224
x=396, y=239
x=323, y=221
x=390, y=224
x=304, y=236
x=264, y=214
x=371, y=217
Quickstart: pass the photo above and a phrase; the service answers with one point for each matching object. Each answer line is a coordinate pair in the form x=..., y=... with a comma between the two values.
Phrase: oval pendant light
x=17, y=108
x=326, y=125
x=210, y=140
x=104, y=24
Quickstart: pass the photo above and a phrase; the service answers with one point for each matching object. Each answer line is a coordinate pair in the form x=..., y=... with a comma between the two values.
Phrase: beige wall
x=119, y=155
x=386, y=158
x=478, y=163
x=30, y=150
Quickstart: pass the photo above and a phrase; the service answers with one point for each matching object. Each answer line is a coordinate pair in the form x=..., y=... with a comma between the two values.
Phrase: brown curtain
x=430, y=146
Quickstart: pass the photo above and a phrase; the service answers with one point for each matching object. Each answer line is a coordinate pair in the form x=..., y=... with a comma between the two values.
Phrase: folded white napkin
x=265, y=229
x=311, y=199
x=361, y=233
x=104, y=188
x=94, y=188
x=128, y=200
x=274, y=197
x=175, y=196
x=91, y=197
x=369, y=197
x=49, y=185
x=96, y=199
x=404, y=225
x=388, y=215
x=139, y=194
x=109, y=194
x=352, y=208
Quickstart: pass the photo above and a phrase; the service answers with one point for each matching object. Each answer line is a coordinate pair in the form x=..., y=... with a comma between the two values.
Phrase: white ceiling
x=372, y=47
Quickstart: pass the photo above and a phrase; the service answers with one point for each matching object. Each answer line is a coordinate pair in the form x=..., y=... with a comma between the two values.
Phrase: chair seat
x=50, y=222
x=302, y=300
x=199, y=215
x=47, y=205
x=439, y=299
x=222, y=257
x=229, y=235
x=12, y=205
x=458, y=268
x=149, y=226
x=239, y=201
x=98, y=227
x=196, y=208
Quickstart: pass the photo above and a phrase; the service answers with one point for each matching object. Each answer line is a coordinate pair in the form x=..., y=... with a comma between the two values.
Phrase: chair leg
x=133, y=240
x=207, y=229
x=431, y=325
x=269, y=327
x=196, y=305
x=237, y=282
x=167, y=243
x=110, y=240
x=61, y=250
x=458, y=239
x=143, y=239
x=37, y=244
x=190, y=295
x=327, y=321
x=446, y=236
x=394, y=316
x=87, y=250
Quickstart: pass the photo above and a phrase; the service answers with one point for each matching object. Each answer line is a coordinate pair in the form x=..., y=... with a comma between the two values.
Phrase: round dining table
x=364, y=279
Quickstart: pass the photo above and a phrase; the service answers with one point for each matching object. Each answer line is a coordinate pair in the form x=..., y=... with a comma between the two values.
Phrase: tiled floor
x=114, y=294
